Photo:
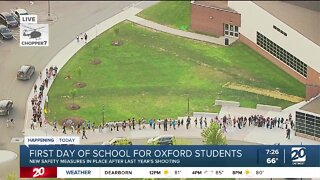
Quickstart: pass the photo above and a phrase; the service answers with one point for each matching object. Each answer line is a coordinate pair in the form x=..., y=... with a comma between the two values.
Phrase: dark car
x=5, y=107
x=8, y=20
x=162, y=140
x=5, y=33
x=25, y=72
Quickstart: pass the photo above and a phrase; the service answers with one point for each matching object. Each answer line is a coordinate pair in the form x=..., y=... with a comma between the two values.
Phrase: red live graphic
x=38, y=172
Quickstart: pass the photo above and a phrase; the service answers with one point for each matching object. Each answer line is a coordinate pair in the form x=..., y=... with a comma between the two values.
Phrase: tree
x=116, y=32
x=213, y=136
x=79, y=72
x=73, y=93
x=117, y=41
x=95, y=49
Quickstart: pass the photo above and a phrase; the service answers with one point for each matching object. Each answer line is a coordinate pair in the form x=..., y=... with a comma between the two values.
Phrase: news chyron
x=71, y=160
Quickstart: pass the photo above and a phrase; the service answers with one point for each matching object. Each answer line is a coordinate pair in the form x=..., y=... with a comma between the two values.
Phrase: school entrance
x=231, y=30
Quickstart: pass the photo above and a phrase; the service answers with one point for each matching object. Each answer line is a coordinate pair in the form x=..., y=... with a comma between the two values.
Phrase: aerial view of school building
x=159, y=73
x=285, y=32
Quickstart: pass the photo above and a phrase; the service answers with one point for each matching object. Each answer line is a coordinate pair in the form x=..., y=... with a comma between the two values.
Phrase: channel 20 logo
x=298, y=155
x=38, y=172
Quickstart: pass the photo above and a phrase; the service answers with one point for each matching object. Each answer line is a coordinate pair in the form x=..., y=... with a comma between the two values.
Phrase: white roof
x=24, y=68
x=21, y=11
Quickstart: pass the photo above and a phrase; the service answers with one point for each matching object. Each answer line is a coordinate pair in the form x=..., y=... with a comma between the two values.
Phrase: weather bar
x=172, y=172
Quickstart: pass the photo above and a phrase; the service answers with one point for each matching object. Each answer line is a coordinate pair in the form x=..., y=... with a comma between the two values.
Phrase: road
x=72, y=18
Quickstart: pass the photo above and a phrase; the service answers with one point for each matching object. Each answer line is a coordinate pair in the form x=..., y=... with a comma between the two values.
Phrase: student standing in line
x=100, y=128
x=129, y=123
x=85, y=37
x=165, y=125
x=84, y=132
x=93, y=126
x=64, y=129
x=72, y=127
x=12, y=122
x=174, y=124
x=78, y=129
x=288, y=133
x=139, y=123
x=35, y=88
x=39, y=120
x=81, y=36
x=55, y=126
x=205, y=122
x=133, y=123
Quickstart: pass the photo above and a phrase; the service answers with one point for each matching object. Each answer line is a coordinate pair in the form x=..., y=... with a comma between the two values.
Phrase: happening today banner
x=169, y=156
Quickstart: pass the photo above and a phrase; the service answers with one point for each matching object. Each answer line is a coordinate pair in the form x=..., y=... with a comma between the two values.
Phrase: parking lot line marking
x=1, y=42
x=15, y=38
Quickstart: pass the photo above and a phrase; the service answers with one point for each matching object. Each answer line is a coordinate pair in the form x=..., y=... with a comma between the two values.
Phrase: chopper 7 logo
x=34, y=35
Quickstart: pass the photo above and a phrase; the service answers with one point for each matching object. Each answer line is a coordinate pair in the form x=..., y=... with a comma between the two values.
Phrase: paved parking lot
x=32, y=9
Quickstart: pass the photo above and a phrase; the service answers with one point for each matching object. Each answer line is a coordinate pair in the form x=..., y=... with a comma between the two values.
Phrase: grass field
x=153, y=74
x=175, y=14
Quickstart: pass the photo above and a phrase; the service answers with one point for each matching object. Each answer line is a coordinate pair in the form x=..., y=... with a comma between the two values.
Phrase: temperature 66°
x=272, y=160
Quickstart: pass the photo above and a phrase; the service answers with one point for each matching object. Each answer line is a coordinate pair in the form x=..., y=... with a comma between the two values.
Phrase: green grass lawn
x=175, y=14
x=152, y=75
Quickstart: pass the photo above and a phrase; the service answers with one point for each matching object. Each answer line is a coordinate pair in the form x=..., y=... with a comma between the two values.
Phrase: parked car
x=118, y=141
x=17, y=13
x=162, y=140
x=8, y=20
x=5, y=33
x=25, y=72
x=5, y=107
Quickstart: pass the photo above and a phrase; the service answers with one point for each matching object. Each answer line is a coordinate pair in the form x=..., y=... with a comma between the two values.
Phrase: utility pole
x=49, y=13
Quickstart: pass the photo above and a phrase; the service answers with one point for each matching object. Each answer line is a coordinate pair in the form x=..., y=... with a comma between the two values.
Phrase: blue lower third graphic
x=169, y=156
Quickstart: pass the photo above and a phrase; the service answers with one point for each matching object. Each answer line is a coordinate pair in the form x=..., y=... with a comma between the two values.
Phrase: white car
x=5, y=107
x=17, y=13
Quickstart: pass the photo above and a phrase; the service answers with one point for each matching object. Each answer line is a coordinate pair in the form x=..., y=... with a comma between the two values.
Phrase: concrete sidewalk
x=177, y=32
x=252, y=134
